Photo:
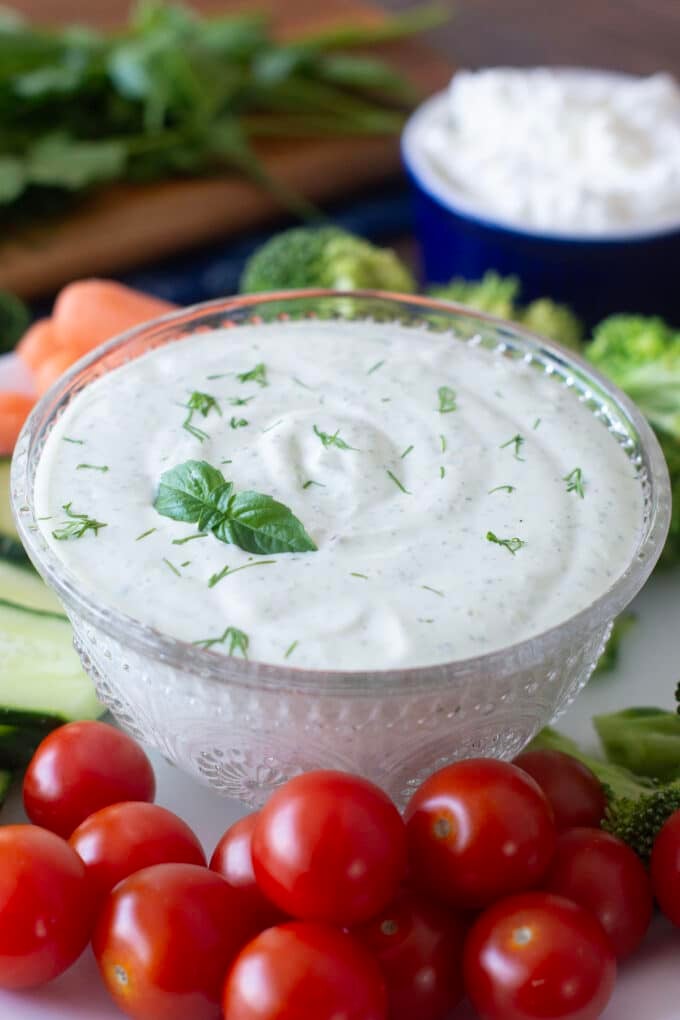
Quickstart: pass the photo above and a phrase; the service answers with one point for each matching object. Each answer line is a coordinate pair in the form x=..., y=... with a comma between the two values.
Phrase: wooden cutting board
x=127, y=225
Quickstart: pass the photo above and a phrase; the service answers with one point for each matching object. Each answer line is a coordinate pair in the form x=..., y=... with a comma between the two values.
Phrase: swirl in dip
x=460, y=500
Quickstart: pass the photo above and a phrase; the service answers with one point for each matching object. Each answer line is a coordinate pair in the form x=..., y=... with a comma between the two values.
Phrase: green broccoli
x=637, y=806
x=324, y=257
x=642, y=356
x=499, y=295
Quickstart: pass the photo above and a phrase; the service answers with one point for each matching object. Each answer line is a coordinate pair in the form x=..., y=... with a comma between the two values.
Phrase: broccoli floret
x=637, y=806
x=557, y=322
x=642, y=356
x=493, y=294
x=499, y=295
x=324, y=257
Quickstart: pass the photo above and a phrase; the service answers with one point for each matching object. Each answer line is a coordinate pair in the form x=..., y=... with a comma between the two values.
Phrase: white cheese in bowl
x=556, y=150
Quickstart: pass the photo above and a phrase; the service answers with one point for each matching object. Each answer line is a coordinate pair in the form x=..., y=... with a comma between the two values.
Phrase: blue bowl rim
x=446, y=196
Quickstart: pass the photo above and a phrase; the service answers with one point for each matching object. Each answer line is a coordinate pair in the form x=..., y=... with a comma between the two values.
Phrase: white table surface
x=649, y=985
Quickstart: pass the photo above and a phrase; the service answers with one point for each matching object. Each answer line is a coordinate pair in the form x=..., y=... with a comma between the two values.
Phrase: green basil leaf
x=190, y=492
x=259, y=524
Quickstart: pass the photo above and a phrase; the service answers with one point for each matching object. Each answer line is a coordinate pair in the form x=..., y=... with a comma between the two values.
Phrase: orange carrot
x=14, y=410
x=89, y=312
x=56, y=365
x=38, y=343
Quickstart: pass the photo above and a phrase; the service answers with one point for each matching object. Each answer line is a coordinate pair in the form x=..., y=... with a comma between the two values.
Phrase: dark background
x=632, y=35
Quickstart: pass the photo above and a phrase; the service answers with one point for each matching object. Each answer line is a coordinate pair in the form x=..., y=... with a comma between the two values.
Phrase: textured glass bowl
x=244, y=727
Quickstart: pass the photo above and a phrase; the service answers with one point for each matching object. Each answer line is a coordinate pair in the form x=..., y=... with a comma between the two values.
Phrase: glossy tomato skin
x=665, y=868
x=538, y=957
x=575, y=794
x=329, y=846
x=164, y=940
x=123, y=838
x=46, y=914
x=606, y=878
x=80, y=768
x=233, y=860
x=478, y=830
x=419, y=946
x=304, y=971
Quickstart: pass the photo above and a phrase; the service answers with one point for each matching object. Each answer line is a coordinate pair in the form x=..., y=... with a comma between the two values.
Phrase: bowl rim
x=221, y=668
x=445, y=194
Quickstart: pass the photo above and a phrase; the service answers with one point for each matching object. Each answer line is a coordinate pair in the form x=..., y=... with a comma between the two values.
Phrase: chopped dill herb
x=270, y=427
x=145, y=533
x=185, y=564
x=240, y=401
x=189, y=538
x=291, y=649
x=511, y=544
x=442, y=439
x=575, y=482
x=76, y=442
x=199, y=403
x=238, y=641
x=238, y=423
x=447, y=399
x=399, y=484
x=333, y=439
x=502, y=488
x=436, y=591
x=92, y=467
x=362, y=576
x=406, y=452
x=304, y=385
x=516, y=441
x=172, y=567
x=257, y=375
x=375, y=367
x=312, y=482
x=536, y=423
x=227, y=571
x=77, y=526
x=442, y=471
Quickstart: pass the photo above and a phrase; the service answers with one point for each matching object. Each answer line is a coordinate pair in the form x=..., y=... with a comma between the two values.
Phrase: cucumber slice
x=5, y=783
x=11, y=548
x=18, y=744
x=26, y=588
x=40, y=670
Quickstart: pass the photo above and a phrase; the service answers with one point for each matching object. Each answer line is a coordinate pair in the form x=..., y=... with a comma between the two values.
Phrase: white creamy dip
x=399, y=578
x=575, y=152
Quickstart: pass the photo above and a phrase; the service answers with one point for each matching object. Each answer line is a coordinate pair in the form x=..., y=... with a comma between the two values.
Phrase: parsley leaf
x=199, y=494
x=257, y=375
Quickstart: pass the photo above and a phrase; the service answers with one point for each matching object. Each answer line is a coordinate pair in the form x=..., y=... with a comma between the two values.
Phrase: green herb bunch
x=176, y=94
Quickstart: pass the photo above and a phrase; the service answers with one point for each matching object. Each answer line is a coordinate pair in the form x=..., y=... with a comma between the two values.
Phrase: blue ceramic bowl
x=595, y=274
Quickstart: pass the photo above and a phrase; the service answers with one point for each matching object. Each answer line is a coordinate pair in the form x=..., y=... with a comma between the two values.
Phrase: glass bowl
x=244, y=726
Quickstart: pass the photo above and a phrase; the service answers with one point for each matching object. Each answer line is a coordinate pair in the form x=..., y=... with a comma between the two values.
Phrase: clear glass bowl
x=244, y=726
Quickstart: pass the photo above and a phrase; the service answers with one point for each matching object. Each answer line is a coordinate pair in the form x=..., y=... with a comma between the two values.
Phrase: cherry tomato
x=80, y=768
x=233, y=860
x=606, y=878
x=124, y=838
x=478, y=830
x=329, y=846
x=419, y=946
x=164, y=941
x=575, y=793
x=538, y=957
x=46, y=915
x=304, y=971
x=665, y=868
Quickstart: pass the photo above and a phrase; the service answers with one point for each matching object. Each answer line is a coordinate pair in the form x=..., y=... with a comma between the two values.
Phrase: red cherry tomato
x=419, y=946
x=574, y=792
x=46, y=915
x=478, y=830
x=606, y=878
x=304, y=971
x=665, y=868
x=233, y=860
x=538, y=957
x=124, y=838
x=164, y=941
x=80, y=768
x=329, y=846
